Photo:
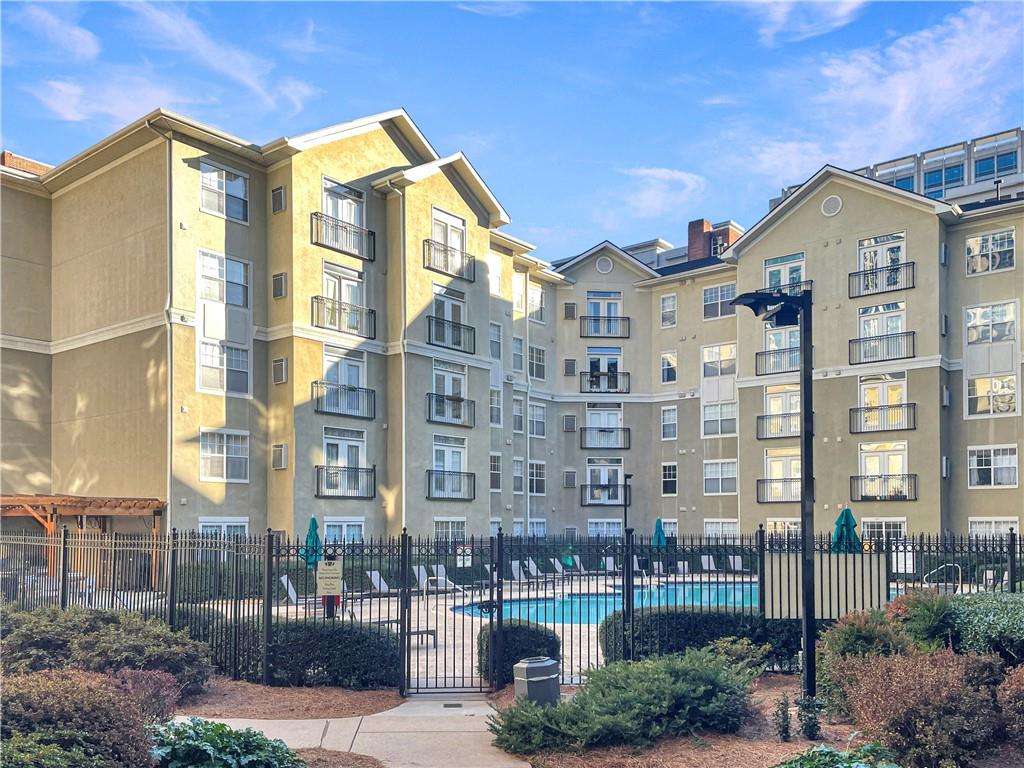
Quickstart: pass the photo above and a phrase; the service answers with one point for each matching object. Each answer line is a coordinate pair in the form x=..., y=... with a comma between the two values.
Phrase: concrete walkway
x=424, y=732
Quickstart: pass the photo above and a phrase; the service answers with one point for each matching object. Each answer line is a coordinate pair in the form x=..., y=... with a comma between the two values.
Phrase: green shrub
x=633, y=703
x=1010, y=696
x=519, y=641
x=808, y=709
x=741, y=650
x=43, y=638
x=924, y=707
x=76, y=711
x=32, y=751
x=782, y=719
x=990, y=622
x=340, y=653
x=867, y=756
x=925, y=616
x=154, y=693
x=198, y=742
x=673, y=631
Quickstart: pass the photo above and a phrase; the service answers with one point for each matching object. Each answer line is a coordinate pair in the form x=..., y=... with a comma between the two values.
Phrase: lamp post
x=781, y=308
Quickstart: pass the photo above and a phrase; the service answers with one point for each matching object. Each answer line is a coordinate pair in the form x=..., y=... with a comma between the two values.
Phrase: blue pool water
x=591, y=608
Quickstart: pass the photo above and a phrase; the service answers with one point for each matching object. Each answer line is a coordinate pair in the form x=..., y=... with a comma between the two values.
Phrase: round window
x=832, y=205
x=604, y=265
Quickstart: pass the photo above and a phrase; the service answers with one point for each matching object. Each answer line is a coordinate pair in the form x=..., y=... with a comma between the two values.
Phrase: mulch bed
x=325, y=758
x=237, y=699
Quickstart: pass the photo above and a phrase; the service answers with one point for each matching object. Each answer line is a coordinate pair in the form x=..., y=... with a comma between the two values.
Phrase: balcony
x=448, y=409
x=778, y=490
x=883, y=418
x=452, y=335
x=876, y=349
x=604, y=495
x=344, y=318
x=604, y=326
x=777, y=361
x=449, y=261
x=883, y=488
x=868, y=282
x=342, y=236
x=604, y=437
x=790, y=289
x=451, y=486
x=598, y=382
x=344, y=400
x=774, y=425
x=346, y=482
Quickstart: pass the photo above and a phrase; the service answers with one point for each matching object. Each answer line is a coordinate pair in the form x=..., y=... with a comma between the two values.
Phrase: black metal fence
x=438, y=596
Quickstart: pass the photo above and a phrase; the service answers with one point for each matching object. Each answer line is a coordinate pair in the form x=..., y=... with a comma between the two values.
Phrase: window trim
x=661, y=422
x=675, y=310
x=248, y=457
x=542, y=320
x=674, y=368
x=491, y=340
x=223, y=522
x=703, y=304
x=993, y=487
x=1012, y=228
x=718, y=404
x=669, y=464
x=704, y=529
x=522, y=400
x=967, y=415
x=1014, y=521
x=248, y=191
x=530, y=464
x=524, y=476
x=200, y=339
x=703, y=476
x=490, y=472
x=529, y=420
x=522, y=354
x=530, y=365
x=501, y=407
x=342, y=520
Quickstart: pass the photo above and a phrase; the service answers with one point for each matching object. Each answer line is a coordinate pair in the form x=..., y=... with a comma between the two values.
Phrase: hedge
x=519, y=641
x=989, y=622
x=673, y=631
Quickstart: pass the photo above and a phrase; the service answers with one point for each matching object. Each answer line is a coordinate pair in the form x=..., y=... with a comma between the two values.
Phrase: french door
x=343, y=312
x=883, y=467
x=604, y=424
x=783, y=270
x=452, y=310
x=450, y=233
x=604, y=477
x=346, y=449
x=347, y=373
x=449, y=467
x=449, y=381
x=345, y=206
x=604, y=308
x=876, y=392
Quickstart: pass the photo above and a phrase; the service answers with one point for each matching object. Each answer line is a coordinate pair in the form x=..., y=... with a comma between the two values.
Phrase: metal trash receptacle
x=537, y=679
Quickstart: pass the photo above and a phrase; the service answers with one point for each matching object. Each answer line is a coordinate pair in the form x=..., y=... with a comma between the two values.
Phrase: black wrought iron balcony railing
x=342, y=236
x=451, y=486
x=883, y=488
x=346, y=482
x=883, y=418
x=791, y=289
x=605, y=494
x=778, y=490
x=448, y=260
x=452, y=335
x=895, y=277
x=604, y=437
x=597, y=382
x=344, y=400
x=449, y=409
x=874, y=349
x=339, y=316
x=773, y=425
x=777, y=361
x=611, y=327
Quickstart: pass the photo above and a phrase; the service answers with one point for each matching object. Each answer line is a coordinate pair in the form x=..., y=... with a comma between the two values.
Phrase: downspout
x=529, y=389
x=403, y=337
x=168, y=328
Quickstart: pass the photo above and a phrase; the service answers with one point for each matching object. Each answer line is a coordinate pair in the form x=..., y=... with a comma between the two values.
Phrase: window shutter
x=569, y=423
x=569, y=478
x=569, y=367
x=279, y=456
x=280, y=368
x=280, y=284
x=570, y=310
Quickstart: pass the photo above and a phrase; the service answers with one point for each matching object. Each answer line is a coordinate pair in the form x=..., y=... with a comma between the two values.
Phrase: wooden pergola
x=46, y=509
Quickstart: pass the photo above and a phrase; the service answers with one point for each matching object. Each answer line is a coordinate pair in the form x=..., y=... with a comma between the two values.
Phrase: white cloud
x=720, y=100
x=656, y=192
x=791, y=22
x=302, y=44
x=297, y=93
x=495, y=8
x=73, y=40
x=118, y=99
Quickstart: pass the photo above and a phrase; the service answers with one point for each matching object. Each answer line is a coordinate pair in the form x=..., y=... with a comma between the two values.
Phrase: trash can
x=537, y=679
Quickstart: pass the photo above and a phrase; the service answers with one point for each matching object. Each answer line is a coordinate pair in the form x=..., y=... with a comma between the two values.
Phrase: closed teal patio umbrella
x=312, y=553
x=844, y=537
x=659, y=539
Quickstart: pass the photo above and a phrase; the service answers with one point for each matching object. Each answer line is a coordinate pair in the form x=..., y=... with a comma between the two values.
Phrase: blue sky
x=589, y=121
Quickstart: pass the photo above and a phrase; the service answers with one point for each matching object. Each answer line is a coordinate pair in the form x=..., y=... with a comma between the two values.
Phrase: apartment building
x=336, y=325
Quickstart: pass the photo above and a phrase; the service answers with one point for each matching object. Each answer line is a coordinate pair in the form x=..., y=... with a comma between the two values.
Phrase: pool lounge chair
x=736, y=564
x=441, y=573
x=521, y=576
x=637, y=568
x=708, y=564
x=379, y=586
x=580, y=569
x=682, y=568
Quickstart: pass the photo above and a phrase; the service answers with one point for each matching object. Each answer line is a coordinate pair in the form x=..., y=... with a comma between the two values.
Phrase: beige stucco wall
x=25, y=397
x=24, y=263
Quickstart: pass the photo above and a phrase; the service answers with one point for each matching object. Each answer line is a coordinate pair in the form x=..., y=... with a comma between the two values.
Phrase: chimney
x=698, y=245
x=20, y=163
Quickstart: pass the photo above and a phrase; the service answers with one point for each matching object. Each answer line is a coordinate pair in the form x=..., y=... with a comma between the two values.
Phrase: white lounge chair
x=609, y=565
x=683, y=567
x=736, y=563
x=378, y=585
x=441, y=581
x=637, y=568
x=707, y=564
x=579, y=567
x=658, y=569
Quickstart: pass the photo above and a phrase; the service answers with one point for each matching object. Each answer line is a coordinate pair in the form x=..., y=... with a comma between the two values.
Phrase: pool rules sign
x=328, y=577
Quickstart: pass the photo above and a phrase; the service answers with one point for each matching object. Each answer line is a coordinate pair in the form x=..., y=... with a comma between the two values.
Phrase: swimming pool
x=591, y=607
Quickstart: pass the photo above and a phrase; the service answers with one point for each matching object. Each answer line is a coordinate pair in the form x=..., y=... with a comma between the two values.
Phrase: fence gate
x=449, y=623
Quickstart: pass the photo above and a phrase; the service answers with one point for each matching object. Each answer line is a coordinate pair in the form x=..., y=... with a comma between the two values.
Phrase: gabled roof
x=691, y=266
x=465, y=170
x=604, y=245
x=805, y=190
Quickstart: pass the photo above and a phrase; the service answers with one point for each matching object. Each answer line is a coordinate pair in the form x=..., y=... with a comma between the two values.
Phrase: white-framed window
x=518, y=475
x=494, y=273
x=991, y=323
x=452, y=528
x=992, y=526
x=538, y=363
x=538, y=527
x=535, y=303
x=719, y=419
x=884, y=528
x=718, y=360
x=668, y=310
x=278, y=199
x=571, y=532
x=720, y=477
x=519, y=292
x=344, y=530
x=517, y=353
x=992, y=396
x=224, y=192
x=721, y=529
x=538, y=420
x=518, y=414
x=604, y=528
x=716, y=301
x=224, y=527
x=279, y=455
x=538, y=478
x=782, y=526
x=670, y=527
x=990, y=252
x=495, y=526
x=223, y=367
x=495, y=471
x=494, y=336
x=668, y=367
x=992, y=466
x=223, y=324
x=669, y=422
x=223, y=279
x=780, y=271
x=669, y=478
x=494, y=401
x=223, y=456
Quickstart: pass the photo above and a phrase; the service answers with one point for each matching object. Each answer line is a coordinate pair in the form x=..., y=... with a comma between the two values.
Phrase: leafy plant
x=339, y=653
x=808, y=711
x=742, y=650
x=519, y=640
x=1010, y=696
x=867, y=756
x=198, y=743
x=154, y=693
x=44, y=638
x=31, y=750
x=925, y=616
x=782, y=719
x=990, y=622
x=633, y=703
